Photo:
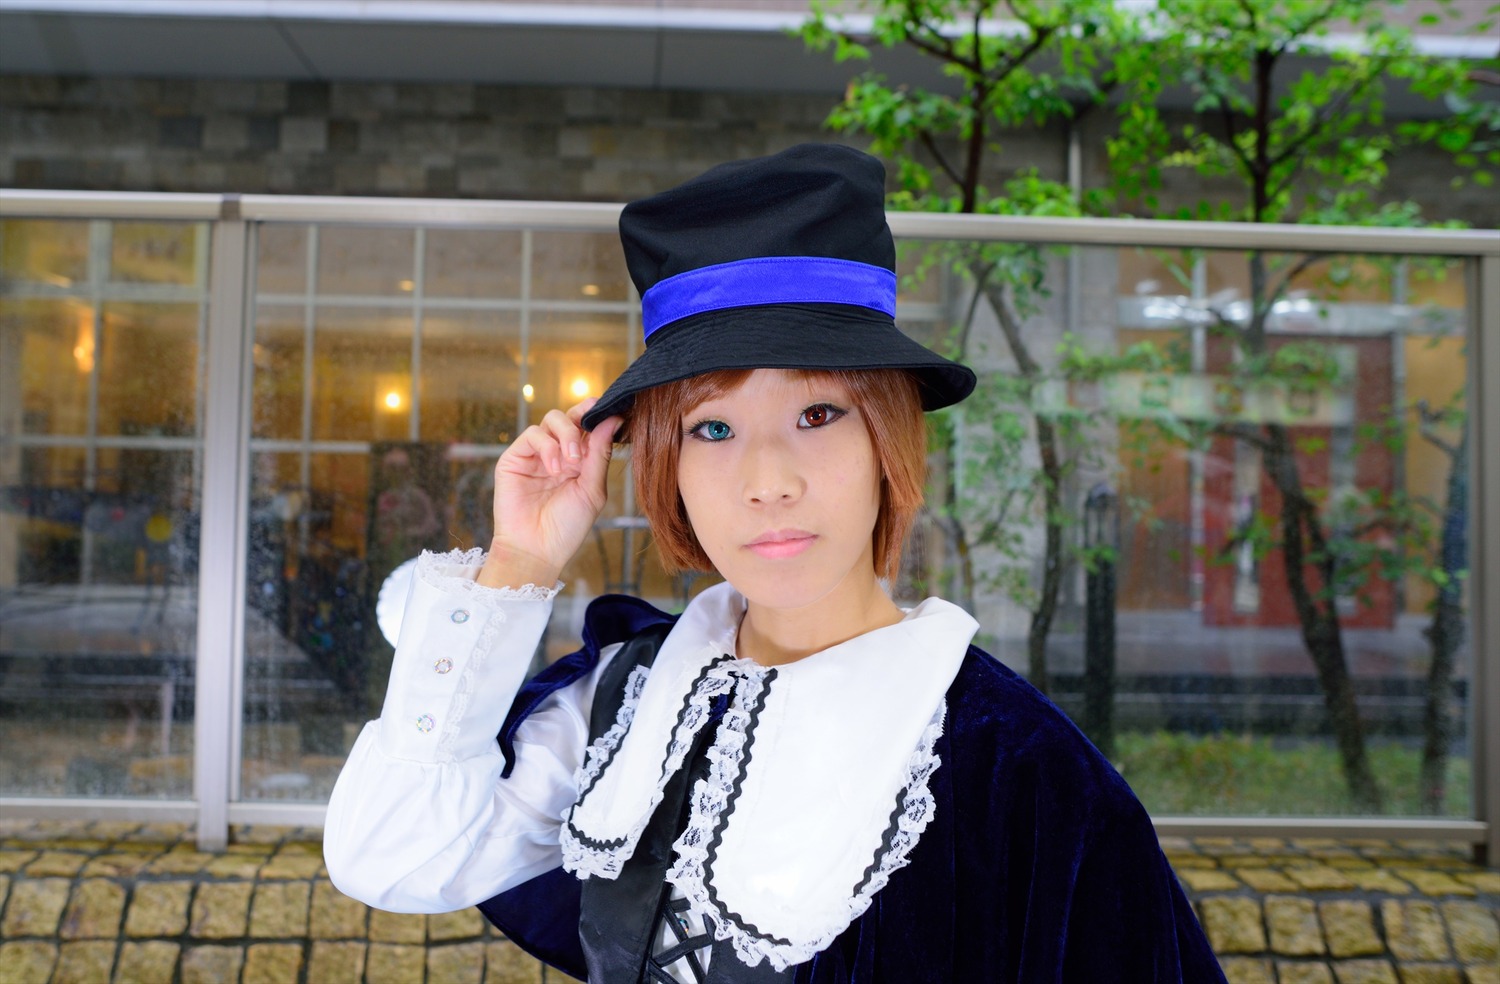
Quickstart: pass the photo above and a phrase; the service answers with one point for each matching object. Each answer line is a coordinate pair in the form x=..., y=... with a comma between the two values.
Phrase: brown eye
x=819, y=415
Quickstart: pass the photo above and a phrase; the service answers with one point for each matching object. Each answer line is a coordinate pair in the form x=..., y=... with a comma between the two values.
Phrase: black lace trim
x=892, y=827
x=617, y=842
x=722, y=821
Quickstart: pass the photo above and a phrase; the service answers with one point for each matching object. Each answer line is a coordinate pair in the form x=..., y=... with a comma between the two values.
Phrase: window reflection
x=45, y=251
x=47, y=358
x=362, y=387
x=577, y=266
x=281, y=259
x=473, y=263
x=362, y=261
x=99, y=506
x=157, y=253
x=471, y=376
x=148, y=367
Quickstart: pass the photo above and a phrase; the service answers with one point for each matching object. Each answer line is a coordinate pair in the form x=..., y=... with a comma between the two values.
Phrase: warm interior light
x=83, y=352
x=406, y=285
x=590, y=290
x=393, y=400
x=580, y=387
x=528, y=392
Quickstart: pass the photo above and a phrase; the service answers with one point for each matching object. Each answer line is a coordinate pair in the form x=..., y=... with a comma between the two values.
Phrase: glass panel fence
x=1215, y=503
x=1189, y=512
x=382, y=395
x=101, y=329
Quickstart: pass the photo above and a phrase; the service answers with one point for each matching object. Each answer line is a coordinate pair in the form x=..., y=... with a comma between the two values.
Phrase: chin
x=785, y=588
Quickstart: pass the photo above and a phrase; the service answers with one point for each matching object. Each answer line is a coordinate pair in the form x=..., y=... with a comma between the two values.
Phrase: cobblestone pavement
x=126, y=902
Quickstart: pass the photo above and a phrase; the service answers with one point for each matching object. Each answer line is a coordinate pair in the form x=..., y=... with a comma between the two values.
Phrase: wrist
x=508, y=567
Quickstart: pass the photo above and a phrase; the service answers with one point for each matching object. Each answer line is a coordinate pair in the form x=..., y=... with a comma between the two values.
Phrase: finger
x=567, y=433
x=600, y=448
x=577, y=410
x=533, y=451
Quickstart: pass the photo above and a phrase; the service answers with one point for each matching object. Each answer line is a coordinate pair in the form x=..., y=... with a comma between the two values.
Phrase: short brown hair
x=891, y=406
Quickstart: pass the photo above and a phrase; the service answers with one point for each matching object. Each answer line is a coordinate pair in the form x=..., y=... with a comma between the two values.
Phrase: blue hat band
x=769, y=280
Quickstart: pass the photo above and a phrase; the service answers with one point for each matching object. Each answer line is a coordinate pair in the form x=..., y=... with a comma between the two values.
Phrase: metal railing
x=226, y=450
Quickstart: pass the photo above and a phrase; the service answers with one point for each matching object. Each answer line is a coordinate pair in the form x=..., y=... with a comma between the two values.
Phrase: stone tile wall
x=478, y=141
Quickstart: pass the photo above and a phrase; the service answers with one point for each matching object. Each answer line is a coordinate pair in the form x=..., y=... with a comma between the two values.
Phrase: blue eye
x=711, y=430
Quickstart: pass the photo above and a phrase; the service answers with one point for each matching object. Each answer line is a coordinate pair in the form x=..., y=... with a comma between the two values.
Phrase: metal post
x=221, y=577
x=1101, y=537
x=1484, y=604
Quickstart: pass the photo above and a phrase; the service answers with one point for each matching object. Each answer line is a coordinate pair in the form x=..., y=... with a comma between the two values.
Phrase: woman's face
x=782, y=487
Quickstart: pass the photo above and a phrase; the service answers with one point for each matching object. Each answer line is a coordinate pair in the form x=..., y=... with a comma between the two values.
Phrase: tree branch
x=925, y=136
x=1430, y=418
x=1298, y=268
x=1231, y=132
x=1296, y=31
x=1242, y=432
x=1329, y=110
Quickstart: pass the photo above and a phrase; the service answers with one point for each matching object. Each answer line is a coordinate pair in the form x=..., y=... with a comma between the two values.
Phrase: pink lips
x=778, y=544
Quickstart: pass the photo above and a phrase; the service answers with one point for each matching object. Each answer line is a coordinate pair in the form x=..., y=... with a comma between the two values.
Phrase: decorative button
x=425, y=723
x=459, y=616
x=443, y=665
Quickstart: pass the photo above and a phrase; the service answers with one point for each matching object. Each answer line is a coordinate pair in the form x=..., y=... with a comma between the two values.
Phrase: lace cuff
x=456, y=570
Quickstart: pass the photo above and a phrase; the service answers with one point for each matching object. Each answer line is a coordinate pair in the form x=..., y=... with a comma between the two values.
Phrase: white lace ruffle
x=586, y=861
x=430, y=568
x=690, y=875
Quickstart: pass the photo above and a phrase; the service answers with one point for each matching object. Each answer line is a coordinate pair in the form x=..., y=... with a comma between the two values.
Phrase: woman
x=794, y=779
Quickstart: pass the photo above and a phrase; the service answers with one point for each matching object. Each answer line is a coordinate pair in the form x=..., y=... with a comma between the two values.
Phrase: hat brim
x=783, y=336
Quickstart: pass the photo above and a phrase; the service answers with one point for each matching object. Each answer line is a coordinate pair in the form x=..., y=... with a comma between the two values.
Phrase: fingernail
x=573, y=451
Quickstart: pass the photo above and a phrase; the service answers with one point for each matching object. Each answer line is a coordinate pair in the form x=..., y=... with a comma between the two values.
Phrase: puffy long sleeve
x=420, y=819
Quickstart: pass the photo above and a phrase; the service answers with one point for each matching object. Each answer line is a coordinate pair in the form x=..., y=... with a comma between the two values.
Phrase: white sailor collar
x=817, y=789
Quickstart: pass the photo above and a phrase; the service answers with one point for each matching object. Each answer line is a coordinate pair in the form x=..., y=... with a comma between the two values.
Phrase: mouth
x=778, y=544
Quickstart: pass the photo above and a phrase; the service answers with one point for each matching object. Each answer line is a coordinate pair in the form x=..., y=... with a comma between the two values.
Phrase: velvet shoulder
x=1002, y=732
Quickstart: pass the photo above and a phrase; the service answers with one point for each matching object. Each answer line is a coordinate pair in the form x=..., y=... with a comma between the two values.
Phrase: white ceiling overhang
x=712, y=45
x=427, y=41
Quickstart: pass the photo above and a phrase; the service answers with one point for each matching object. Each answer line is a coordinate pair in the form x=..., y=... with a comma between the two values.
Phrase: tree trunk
x=1051, y=460
x=1305, y=543
x=1445, y=634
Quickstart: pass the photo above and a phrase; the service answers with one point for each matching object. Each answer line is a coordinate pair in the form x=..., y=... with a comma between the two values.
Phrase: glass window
x=99, y=508
x=366, y=262
x=471, y=376
x=578, y=266
x=47, y=357
x=362, y=387
x=280, y=359
x=571, y=357
x=148, y=368
x=281, y=259
x=1171, y=425
x=473, y=263
x=157, y=253
x=45, y=251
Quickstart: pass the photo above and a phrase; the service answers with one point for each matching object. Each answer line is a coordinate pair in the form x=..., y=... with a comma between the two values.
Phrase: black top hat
x=780, y=262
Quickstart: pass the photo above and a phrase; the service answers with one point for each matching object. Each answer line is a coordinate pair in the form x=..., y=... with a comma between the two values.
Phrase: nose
x=770, y=473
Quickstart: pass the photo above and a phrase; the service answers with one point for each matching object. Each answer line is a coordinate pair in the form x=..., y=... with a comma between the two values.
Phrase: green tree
x=944, y=145
x=1302, y=144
